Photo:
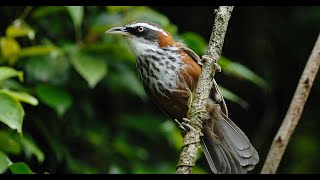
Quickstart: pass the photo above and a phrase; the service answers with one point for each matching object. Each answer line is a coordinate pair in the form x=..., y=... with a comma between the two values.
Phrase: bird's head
x=143, y=35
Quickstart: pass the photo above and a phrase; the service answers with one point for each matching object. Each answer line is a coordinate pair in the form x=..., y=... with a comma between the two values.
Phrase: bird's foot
x=205, y=58
x=190, y=98
x=194, y=113
x=181, y=126
x=185, y=126
x=217, y=67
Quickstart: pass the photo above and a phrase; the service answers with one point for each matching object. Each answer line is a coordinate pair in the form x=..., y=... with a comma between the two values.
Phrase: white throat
x=139, y=45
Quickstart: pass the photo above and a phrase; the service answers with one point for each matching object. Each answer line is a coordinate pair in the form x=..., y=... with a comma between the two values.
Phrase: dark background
x=276, y=42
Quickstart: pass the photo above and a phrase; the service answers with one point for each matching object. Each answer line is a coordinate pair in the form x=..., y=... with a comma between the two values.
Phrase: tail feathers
x=219, y=158
x=228, y=151
x=239, y=143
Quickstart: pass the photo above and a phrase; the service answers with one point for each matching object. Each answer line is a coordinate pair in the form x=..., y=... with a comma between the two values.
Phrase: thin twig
x=202, y=91
x=26, y=11
x=294, y=112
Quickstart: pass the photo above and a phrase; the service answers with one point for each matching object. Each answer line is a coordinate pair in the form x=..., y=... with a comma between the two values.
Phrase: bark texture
x=202, y=91
x=294, y=112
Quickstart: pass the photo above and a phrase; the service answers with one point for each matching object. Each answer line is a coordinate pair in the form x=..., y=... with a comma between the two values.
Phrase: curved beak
x=118, y=30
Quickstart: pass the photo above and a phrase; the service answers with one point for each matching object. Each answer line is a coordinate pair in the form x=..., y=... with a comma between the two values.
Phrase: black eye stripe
x=136, y=30
x=146, y=32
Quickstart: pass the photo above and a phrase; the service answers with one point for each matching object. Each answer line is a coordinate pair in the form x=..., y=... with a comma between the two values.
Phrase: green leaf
x=233, y=97
x=172, y=133
x=134, y=84
x=4, y=162
x=37, y=50
x=20, y=168
x=60, y=151
x=10, y=49
x=21, y=96
x=116, y=9
x=8, y=144
x=8, y=72
x=125, y=79
x=39, y=12
x=198, y=170
x=128, y=150
x=147, y=124
x=54, y=97
x=240, y=71
x=49, y=69
x=90, y=68
x=13, y=85
x=194, y=42
x=115, y=169
x=76, y=13
x=20, y=28
x=11, y=112
x=30, y=148
x=158, y=168
x=79, y=167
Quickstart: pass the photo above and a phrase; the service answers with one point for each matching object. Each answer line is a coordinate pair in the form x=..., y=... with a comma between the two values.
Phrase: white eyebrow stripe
x=148, y=26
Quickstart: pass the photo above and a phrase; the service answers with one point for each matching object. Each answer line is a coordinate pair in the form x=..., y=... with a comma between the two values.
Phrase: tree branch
x=202, y=91
x=294, y=112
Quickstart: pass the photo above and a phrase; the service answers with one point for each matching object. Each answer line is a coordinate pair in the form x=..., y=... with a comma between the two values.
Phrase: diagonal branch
x=294, y=112
x=202, y=91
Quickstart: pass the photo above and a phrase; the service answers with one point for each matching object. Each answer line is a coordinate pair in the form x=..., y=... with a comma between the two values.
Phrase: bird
x=169, y=71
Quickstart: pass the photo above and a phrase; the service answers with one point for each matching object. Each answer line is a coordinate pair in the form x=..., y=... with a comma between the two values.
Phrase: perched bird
x=169, y=70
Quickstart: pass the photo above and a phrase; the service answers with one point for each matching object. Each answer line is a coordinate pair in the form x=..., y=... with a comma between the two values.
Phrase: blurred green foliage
x=72, y=101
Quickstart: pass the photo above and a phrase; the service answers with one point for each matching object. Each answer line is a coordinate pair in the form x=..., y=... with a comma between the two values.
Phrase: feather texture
x=167, y=69
x=226, y=148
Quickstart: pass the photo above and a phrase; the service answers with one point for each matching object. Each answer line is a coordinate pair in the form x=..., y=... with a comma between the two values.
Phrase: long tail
x=226, y=148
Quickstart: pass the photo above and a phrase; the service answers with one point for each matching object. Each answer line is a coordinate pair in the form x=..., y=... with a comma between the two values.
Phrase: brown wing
x=215, y=93
x=175, y=104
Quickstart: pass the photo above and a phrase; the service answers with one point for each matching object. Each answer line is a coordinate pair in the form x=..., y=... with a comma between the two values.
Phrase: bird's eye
x=140, y=29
